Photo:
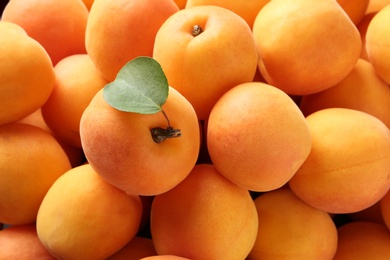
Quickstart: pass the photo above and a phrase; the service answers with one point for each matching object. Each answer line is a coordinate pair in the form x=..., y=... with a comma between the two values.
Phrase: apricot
x=77, y=82
x=206, y=216
x=362, y=89
x=30, y=161
x=348, y=167
x=363, y=240
x=377, y=43
x=59, y=26
x=257, y=137
x=199, y=66
x=135, y=249
x=27, y=75
x=84, y=217
x=291, y=229
x=120, y=147
x=302, y=50
x=22, y=242
x=246, y=9
x=119, y=31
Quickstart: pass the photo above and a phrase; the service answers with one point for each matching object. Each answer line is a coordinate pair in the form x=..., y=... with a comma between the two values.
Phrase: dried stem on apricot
x=196, y=30
x=160, y=134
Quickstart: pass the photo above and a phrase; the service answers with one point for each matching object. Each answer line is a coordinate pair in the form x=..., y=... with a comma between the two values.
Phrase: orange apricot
x=257, y=137
x=27, y=76
x=363, y=240
x=77, y=82
x=119, y=31
x=378, y=42
x=354, y=9
x=30, y=161
x=137, y=248
x=199, y=66
x=120, y=147
x=362, y=89
x=22, y=242
x=59, y=26
x=301, y=50
x=206, y=216
x=291, y=229
x=348, y=167
x=84, y=217
x=371, y=214
x=248, y=10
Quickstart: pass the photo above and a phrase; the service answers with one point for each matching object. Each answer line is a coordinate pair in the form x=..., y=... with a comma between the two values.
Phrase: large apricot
x=84, y=217
x=362, y=89
x=77, y=82
x=348, y=167
x=22, y=242
x=378, y=42
x=59, y=26
x=31, y=160
x=119, y=31
x=257, y=137
x=206, y=216
x=27, y=76
x=213, y=51
x=120, y=147
x=291, y=229
x=363, y=240
x=302, y=50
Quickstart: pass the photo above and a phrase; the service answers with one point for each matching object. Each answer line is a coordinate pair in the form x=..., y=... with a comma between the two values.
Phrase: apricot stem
x=160, y=134
x=196, y=30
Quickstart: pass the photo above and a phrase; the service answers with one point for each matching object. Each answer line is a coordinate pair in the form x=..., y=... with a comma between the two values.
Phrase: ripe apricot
x=199, y=66
x=257, y=137
x=27, y=76
x=291, y=229
x=248, y=10
x=22, y=242
x=348, y=167
x=206, y=216
x=119, y=31
x=30, y=161
x=362, y=89
x=363, y=240
x=77, y=82
x=59, y=26
x=84, y=217
x=120, y=147
x=301, y=50
x=354, y=9
x=135, y=249
x=377, y=42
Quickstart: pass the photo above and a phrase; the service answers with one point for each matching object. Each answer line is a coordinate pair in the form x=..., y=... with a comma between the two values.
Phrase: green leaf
x=140, y=87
